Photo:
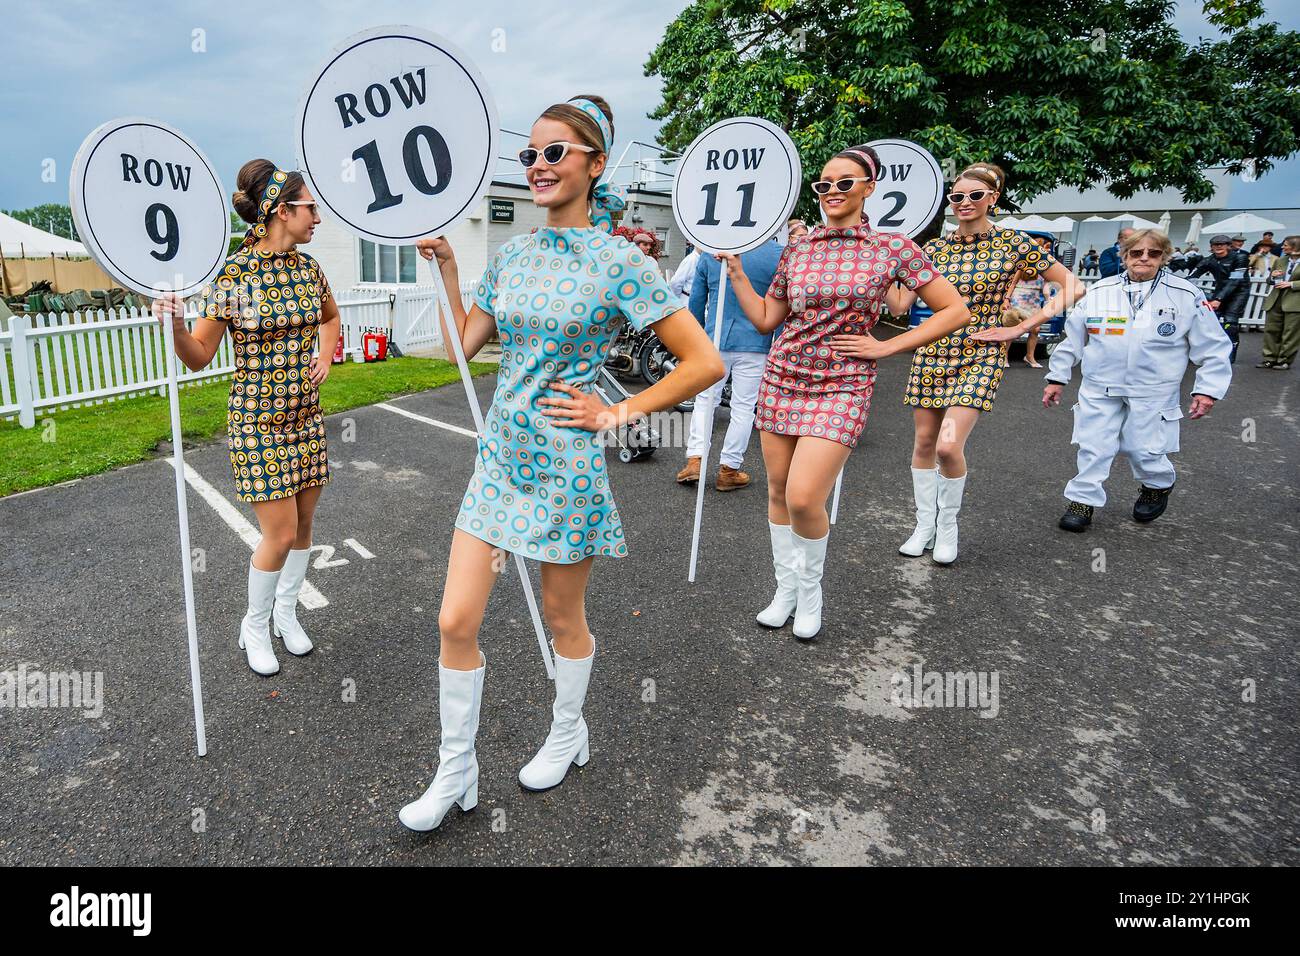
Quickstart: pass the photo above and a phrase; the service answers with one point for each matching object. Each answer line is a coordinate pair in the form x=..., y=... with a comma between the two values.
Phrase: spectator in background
x=1111, y=261
x=1229, y=268
x=1091, y=261
x=1238, y=242
x=1266, y=244
x=684, y=277
x=1027, y=298
x=1282, y=309
x=744, y=352
x=643, y=239
x=795, y=229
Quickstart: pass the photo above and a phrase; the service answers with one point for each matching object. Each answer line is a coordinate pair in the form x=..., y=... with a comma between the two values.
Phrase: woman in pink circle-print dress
x=829, y=290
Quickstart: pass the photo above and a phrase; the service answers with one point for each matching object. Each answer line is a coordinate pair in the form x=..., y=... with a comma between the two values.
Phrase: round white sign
x=736, y=185
x=398, y=134
x=909, y=188
x=149, y=207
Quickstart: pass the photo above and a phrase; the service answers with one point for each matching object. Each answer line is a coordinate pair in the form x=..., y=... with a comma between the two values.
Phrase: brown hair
x=990, y=174
x=855, y=154
x=1292, y=241
x=1154, y=236
x=251, y=184
x=586, y=128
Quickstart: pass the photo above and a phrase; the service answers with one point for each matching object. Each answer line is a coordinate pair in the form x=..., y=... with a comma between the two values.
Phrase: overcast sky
x=73, y=64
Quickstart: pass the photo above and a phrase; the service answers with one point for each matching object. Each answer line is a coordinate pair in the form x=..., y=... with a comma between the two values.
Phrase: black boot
x=1077, y=517
x=1151, y=503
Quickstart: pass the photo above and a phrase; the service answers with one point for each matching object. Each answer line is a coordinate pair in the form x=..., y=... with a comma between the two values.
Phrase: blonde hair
x=1159, y=239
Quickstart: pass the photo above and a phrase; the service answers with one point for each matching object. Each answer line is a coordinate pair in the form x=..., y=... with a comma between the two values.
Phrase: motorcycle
x=654, y=361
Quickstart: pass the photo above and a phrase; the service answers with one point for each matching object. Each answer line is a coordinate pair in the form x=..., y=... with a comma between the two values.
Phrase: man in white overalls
x=1135, y=333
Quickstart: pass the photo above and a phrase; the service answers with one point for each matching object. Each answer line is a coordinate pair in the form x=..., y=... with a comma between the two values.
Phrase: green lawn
x=86, y=441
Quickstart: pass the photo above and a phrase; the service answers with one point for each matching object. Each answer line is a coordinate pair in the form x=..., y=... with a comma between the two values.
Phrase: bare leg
x=472, y=569
x=306, y=501
x=278, y=521
x=958, y=422
x=926, y=422
x=564, y=593
x=811, y=478
x=1031, y=348
x=778, y=450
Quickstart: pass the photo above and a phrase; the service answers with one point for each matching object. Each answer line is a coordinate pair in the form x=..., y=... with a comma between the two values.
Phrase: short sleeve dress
x=559, y=297
x=955, y=370
x=274, y=427
x=835, y=281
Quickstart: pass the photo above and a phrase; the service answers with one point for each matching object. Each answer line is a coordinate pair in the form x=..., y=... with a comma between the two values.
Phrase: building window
x=387, y=264
x=662, y=235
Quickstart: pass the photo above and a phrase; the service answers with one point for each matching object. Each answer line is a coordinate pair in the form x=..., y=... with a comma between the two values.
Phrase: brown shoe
x=729, y=479
x=691, y=473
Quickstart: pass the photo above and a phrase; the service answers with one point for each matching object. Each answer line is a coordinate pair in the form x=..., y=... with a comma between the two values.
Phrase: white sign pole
x=735, y=187
x=151, y=211
x=704, y=405
x=183, y=512
x=458, y=350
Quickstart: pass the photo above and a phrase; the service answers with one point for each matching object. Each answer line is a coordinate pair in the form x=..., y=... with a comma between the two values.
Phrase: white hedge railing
x=53, y=362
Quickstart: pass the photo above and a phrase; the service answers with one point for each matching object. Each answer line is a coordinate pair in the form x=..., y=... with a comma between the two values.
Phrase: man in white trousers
x=1135, y=333
x=744, y=352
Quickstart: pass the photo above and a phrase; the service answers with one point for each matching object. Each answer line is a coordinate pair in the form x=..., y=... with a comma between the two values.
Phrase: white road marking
x=352, y=543
x=311, y=598
x=428, y=421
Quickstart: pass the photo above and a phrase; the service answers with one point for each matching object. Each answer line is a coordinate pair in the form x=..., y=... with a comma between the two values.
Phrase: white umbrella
x=1194, y=230
x=1136, y=222
x=1245, y=222
x=1009, y=222
x=1163, y=225
x=1039, y=224
x=1062, y=224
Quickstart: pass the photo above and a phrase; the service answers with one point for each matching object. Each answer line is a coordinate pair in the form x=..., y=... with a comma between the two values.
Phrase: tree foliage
x=1073, y=92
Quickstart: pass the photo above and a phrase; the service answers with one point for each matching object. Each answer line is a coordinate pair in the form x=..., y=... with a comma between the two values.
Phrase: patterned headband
x=871, y=166
x=997, y=180
x=607, y=199
x=270, y=197
x=597, y=114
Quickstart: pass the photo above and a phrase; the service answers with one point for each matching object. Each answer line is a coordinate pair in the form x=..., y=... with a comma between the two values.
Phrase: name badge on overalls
x=1116, y=324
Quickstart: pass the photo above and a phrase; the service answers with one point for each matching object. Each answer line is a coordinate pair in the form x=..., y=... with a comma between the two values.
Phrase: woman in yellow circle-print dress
x=956, y=378
x=284, y=325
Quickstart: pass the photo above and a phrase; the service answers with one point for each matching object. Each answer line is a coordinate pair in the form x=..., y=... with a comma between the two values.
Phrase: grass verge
x=89, y=440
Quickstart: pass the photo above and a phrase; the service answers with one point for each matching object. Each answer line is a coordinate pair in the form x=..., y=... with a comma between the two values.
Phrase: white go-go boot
x=460, y=694
x=812, y=558
x=945, y=540
x=567, y=743
x=285, y=618
x=925, y=491
x=786, y=565
x=254, y=636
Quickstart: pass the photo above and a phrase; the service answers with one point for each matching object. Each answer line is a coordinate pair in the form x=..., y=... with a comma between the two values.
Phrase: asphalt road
x=1119, y=732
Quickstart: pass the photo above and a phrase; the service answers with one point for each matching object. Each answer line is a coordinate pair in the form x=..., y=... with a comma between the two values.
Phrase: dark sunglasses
x=1144, y=253
x=822, y=186
x=975, y=195
x=551, y=153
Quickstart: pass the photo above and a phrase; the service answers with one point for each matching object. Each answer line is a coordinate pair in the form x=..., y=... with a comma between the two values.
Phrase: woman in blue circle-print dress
x=557, y=298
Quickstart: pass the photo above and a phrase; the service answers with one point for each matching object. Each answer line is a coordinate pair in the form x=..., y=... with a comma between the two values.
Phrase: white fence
x=1252, y=315
x=53, y=362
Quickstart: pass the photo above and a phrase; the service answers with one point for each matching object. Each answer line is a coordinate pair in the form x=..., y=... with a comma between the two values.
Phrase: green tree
x=54, y=218
x=1073, y=92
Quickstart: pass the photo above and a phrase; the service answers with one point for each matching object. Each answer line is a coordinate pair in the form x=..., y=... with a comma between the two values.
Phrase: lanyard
x=1136, y=307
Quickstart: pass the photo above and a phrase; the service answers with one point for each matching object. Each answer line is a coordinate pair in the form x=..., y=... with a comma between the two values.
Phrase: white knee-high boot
x=460, y=695
x=812, y=558
x=945, y=539
x=285, y=618
x=567, y=743
x=254, y=636
x=785, y=563
x=925, y=491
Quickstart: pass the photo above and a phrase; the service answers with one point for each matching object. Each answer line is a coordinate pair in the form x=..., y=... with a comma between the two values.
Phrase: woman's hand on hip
x=860, y=347
x=577, y=409
x=320, y=369
x=998, y=333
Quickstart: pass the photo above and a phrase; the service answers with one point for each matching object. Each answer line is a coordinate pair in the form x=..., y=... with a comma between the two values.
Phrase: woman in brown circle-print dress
x=954, y=379
x=828, y=292
x=284, y=325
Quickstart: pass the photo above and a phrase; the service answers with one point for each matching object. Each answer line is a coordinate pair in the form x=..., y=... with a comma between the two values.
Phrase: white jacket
x=1144, y=354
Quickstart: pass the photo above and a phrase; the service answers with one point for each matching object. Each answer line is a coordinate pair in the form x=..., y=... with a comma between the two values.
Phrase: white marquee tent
x=19, y=240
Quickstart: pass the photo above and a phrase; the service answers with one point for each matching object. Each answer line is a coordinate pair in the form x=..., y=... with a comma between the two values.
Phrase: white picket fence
x=53, y=362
